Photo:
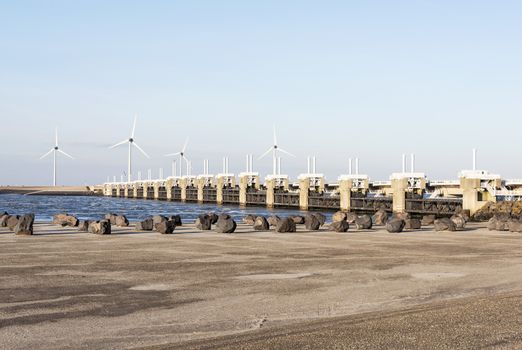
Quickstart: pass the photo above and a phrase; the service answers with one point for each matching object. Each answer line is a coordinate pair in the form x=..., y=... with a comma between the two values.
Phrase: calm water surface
x=94, y=208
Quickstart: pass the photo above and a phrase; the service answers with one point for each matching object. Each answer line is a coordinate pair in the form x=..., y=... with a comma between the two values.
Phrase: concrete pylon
x=345, y=194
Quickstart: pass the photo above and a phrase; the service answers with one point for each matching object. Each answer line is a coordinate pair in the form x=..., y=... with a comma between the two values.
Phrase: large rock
x=111, y=218
x=412, y=224
x=428, y=220
x=340, y=226
x=285, y=225
x=249, y=219
x=273, y=220
x=102, y=227
x=176, y=219
x=312, y=223
x=145, y=225
x=364, y=222
x=213, y=218
x=165, y=227
x=261, y=224
x=339, y=216
x=502, y=225
x=121, y=221
x=464, y=213
x=25, y=225
x=3, y=220
x=515, y=226
x=204, y=222
x=225, y=224
x=12, y=221
x=444, y=224
x=298, y=219
x=380, y=217
x=156, y=219
x=320, y=217
x=351, y=217
x=65, y=219
x=83, y=226
x=395, y=225
x=459, y=221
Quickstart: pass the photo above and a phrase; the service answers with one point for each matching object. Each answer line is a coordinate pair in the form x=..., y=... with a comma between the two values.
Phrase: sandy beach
x=308, y=290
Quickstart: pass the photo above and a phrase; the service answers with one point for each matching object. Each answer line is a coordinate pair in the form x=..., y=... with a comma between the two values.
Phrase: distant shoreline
x=50, y=190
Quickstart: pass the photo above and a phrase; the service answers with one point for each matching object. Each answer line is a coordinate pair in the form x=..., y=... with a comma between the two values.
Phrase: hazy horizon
x=371, y=79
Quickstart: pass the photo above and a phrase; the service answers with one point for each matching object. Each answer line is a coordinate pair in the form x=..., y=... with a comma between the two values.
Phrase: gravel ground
x=308, y=290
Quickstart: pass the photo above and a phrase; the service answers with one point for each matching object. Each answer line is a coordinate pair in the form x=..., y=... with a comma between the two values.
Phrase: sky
x=339, y=79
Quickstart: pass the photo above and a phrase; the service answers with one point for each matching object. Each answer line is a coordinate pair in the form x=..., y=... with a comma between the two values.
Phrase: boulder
x=312, y=223
x=459, y=221
x=165, y=227
x=492, y=224
x=428, y=220
x=65, y=219
x=395, y=225
x=286, y=225
x=121, y=221
x=261, y=224
x=111, y=218
x=145, y=225
x=380, y=217
x=502, y=225
x=102, y=227
x=249, y=219
x=340, y=226
x=273, y=220
x=363, y=222
x=298, y=219
x=351, y=217
x=444, y=224
x=176, y=219
x=339, y=216
x=12, y=221
x=464, y=213
x=412, y=224
x=213, y=218
x=204, y=222
x=515, y=226
x=156, y=219
x=83, y=226
x=3, y=220
x=225, y=224
x=320, y=217
x=25, y=225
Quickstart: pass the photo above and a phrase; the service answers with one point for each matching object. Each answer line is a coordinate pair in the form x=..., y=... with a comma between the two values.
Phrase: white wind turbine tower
x=131, y=143
x=275, y=159
x=182, y=157
x=53, y=150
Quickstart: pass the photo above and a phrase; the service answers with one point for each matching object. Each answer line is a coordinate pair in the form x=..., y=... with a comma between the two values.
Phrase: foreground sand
x=309, y=290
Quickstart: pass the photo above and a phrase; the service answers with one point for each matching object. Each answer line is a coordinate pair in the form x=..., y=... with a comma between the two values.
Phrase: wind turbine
x=131, y=143
x=53, y=150
x=274, y=149
x=182, y=157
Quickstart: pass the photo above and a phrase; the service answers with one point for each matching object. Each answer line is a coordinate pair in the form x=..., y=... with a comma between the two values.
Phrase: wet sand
x=308, y=290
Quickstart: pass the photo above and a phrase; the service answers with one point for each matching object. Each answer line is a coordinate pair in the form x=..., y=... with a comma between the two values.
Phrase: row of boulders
x=20, y=225
x=223, y=223
x=160, y=223
x=505, y=222
x=512, y=209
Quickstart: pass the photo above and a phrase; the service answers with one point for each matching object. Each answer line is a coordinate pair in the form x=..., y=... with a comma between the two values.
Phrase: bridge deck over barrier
x=435, y=206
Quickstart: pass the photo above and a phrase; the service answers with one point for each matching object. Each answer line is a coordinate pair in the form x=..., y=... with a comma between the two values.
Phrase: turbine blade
x=275, y=136
x=56, y=137
x=186, y=159
x=65, y=154
x=45, y=155
x=173, y=154
x=266, y=153
x=286, y=152
x=119, y=144
x=185, y=145
x=142, y=151
x=134, y=125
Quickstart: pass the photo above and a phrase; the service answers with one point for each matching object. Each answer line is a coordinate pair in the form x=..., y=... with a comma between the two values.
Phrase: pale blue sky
x=340, y=79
